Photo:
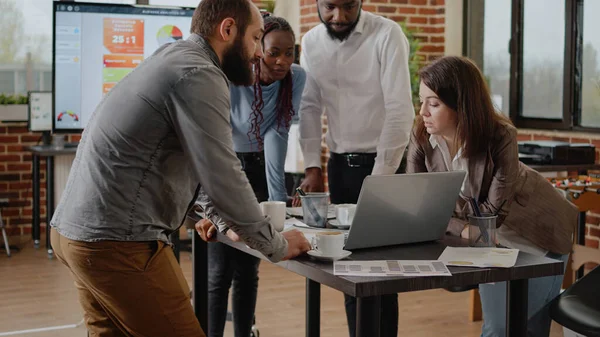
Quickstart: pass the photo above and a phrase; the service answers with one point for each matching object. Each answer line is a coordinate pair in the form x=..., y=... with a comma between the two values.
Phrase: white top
x=458, y=163
x=504, y=235
x=363, y=85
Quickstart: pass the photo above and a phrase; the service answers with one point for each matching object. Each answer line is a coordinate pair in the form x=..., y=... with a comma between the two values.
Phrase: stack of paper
x=482, y=257
x=390, y=268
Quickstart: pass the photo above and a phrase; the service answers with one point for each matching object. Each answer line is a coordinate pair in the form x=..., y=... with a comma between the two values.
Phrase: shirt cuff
x=311, y=150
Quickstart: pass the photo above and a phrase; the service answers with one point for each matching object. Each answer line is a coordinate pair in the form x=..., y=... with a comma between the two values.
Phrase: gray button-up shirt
x=159, y=140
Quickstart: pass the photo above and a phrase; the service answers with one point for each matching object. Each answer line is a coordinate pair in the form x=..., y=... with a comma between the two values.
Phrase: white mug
x=276, y=210
x=329, y=243
x=344, y=214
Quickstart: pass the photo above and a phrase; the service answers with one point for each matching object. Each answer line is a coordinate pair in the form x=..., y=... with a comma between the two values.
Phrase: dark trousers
x=229, y=267
x=345, y=176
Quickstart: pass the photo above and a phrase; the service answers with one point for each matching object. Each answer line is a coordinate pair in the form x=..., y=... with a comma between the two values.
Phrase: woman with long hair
x=459, y=129
x=260, y=119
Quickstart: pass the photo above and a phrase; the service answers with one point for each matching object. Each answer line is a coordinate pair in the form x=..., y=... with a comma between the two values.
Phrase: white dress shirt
x=458, y=163
x=504, y=235
x=363, y=86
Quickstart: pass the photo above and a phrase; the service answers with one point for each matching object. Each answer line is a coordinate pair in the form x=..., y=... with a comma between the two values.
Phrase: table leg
x=200, y=280
x=35, y=181
x=368, y=316
x=313, y=308
x=49, y=201
x=516, y=307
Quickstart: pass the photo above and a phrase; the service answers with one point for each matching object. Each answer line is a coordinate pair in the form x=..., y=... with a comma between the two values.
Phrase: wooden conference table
x=368, y=290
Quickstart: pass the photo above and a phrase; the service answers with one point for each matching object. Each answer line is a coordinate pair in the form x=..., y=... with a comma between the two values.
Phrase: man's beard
x=339, y=35
x=237, y=66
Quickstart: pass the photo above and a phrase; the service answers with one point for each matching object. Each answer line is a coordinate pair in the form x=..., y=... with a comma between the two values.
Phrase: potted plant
x=13, y=108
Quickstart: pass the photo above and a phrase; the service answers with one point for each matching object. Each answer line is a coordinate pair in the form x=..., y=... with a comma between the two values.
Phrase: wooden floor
x=36, y=292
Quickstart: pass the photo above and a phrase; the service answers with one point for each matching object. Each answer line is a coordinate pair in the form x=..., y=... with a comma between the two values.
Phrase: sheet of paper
x=297, y=212
x=479, y=257
x=390, y=268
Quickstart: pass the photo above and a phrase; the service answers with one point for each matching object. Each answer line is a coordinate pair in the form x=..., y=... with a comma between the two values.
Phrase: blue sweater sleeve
x=276, y=142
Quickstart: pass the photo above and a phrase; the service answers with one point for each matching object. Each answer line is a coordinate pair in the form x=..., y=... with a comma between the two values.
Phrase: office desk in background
x=48, y=152
x=369, y=290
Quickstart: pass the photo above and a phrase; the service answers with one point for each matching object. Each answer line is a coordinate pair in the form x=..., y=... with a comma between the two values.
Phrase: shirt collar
x=203, y=43
x=360, y=26
x=434, y=140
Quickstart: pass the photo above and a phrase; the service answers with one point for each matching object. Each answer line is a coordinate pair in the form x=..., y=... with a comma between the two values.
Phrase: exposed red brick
x=432, y=49
x=580, y=140
x=427, y=10
x=418, y=2
x=417, y=19
x=594, y=243
x=594, y=231
x=437, y=2
x=30, y=139
x=407, y=10
x=541, y=137
x=9, y=158
x=437, y=21
x=8, y=139
x=19, y=167
x=399, y=1
x=370, y=8
x=18, y=129
x=386, y=9
x=521, y=137
x=19, y=185
x=15, y=148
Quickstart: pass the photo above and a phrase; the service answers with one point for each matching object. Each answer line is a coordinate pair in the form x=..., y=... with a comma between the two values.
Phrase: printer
x=549, y=152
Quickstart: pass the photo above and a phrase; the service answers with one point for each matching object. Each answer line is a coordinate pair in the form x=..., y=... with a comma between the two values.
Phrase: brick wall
x=15, y=177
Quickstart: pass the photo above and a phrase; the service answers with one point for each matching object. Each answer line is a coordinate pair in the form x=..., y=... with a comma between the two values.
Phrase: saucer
x=318, y=255
x=335, y=223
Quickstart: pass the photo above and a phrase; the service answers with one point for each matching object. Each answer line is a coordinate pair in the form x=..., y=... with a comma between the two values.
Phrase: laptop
x=404, y=208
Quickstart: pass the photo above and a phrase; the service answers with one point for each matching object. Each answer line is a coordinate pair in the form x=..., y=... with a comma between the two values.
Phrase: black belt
x=354, y=159
x=251, y=158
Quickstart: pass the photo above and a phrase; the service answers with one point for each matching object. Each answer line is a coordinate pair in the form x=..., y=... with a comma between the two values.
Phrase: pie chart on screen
x=168, y=34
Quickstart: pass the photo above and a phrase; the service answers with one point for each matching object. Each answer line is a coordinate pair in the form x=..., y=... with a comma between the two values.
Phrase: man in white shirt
x=357, y=72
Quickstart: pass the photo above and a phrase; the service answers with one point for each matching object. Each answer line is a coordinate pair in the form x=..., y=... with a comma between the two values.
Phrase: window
x=496, y=58
x=543, y=58
x=590, y=79
x=27, y=44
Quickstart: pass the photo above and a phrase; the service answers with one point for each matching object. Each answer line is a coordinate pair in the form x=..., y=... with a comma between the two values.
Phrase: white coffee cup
x=344, y=213
x=329, y=243
x=276, y=210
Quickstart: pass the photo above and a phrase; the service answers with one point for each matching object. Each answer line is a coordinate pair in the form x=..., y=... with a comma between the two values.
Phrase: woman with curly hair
x=260, y=119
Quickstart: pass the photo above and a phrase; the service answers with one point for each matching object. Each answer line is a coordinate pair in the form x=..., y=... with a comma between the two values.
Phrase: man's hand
x=297, y=244
x=313, y=182
x=206, y=230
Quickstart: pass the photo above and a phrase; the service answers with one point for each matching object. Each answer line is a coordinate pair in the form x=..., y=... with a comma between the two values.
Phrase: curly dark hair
x=285, y=109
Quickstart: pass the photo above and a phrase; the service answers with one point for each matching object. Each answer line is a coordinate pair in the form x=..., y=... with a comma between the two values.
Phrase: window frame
x=572, y=71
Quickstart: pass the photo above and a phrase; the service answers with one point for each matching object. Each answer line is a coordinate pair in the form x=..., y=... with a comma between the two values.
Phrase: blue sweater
x=275, y=139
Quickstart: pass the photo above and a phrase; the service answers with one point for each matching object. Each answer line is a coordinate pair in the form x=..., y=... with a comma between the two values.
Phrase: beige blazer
x=533, y=208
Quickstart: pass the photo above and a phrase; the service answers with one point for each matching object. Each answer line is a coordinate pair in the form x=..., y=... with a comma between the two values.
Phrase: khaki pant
x=129, y=288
